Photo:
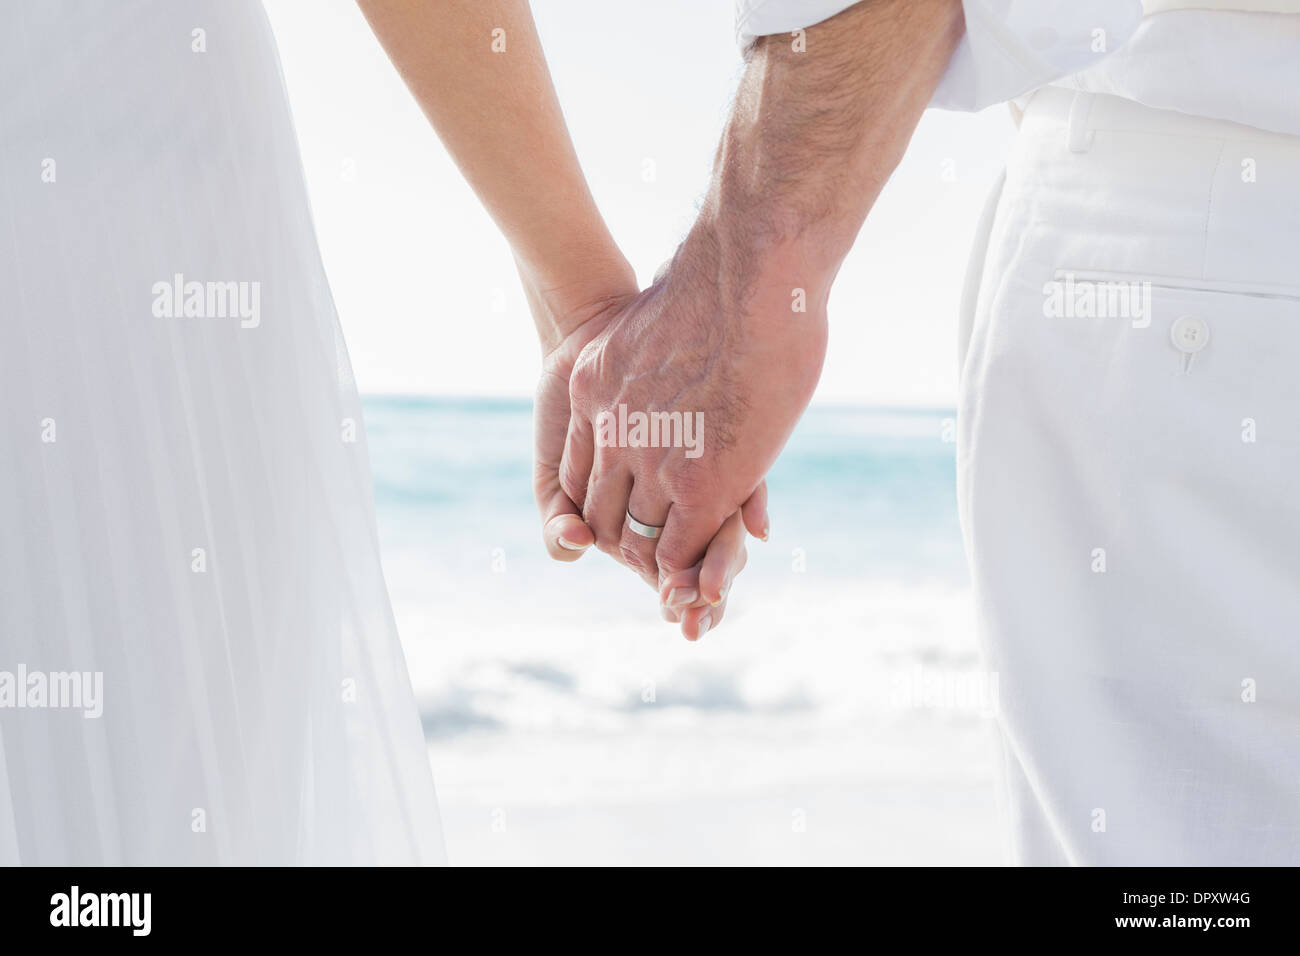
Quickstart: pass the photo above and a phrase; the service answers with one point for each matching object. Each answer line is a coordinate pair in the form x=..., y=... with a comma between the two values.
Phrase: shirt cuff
x=1010, y=46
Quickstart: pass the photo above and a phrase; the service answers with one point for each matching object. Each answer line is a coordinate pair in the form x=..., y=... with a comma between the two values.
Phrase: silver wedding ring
x=644, y=530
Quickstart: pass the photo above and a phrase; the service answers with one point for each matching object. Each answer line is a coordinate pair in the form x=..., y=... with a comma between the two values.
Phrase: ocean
x=839, y=714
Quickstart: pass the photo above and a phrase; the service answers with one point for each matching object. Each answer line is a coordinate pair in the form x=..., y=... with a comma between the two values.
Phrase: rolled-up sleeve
x=1010, y=46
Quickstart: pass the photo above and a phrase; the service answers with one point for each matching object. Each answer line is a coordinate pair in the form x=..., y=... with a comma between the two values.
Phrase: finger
x=706, y=584
x=648, y=507
x=754, y=512
x=686, y=537
x=565, y=535
x=698, y=621
x=577, y=460
x=696, y=615
x=681, y=590
x=680, y=602
x=606, y=507
x=725, y=559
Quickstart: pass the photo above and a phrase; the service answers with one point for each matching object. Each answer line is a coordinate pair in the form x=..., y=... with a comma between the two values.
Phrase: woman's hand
x=565, y=533
x=695, y=597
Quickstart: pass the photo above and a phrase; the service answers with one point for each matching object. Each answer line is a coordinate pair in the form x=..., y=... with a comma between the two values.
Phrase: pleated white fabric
x=1127, y=483
x=185, y=500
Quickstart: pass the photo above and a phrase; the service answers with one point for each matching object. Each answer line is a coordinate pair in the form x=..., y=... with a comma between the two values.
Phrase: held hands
x=671, y=404
x=808, y=147
x=695, y=596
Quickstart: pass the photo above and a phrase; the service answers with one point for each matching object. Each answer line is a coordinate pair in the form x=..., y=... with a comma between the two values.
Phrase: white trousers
x=1128, y=481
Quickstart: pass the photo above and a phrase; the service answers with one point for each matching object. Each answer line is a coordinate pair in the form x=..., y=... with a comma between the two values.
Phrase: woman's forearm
x=477, y=70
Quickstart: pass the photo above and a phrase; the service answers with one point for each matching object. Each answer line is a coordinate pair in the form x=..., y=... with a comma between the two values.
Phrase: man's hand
x=697, y=596
x=731, y=363
x=733, y=336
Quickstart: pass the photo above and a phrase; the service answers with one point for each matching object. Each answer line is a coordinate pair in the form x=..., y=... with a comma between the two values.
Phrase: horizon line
x=526, y=400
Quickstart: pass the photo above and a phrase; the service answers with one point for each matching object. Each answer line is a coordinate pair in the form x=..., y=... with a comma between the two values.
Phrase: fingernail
x=570, y=546
x=706, y=622
x=767, y=531
x=722, y=596
x=678, y=597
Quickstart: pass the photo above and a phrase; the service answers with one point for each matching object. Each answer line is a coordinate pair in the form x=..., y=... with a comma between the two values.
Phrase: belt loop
x=1078, y=136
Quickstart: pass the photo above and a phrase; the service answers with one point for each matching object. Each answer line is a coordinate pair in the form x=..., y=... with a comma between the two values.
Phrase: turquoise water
x=555, y=693
x=862, y=492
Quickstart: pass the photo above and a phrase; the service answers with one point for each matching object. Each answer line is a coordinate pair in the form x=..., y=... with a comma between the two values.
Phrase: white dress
x=198, y=660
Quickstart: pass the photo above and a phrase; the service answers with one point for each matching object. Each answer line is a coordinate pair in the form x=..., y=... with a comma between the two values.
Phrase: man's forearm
x=815, y=134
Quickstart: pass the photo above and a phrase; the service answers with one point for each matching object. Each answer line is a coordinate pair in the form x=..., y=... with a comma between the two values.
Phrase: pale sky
x=425, y=286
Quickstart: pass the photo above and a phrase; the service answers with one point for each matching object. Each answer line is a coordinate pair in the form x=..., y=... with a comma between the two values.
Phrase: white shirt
x=1224, y=63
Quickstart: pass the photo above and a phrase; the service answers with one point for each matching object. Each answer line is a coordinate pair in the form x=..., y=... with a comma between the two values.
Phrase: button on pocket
x=1189, y=335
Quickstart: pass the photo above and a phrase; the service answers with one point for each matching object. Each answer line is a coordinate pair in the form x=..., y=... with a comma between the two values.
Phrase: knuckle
x=607, y=537
x=672, y=557
x=690, y=487
x=585, y=377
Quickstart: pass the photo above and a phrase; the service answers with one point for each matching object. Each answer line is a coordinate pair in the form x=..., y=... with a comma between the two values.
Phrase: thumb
x=754, y=512
x=564, y=532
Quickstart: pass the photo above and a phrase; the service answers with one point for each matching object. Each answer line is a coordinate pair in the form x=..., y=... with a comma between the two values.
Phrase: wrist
x=759, y=261
x=760, y=297
x=563, y=300
x=806, y=219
